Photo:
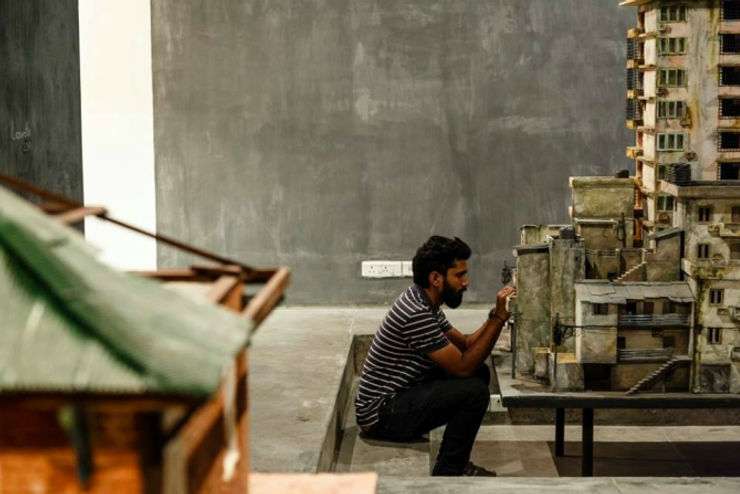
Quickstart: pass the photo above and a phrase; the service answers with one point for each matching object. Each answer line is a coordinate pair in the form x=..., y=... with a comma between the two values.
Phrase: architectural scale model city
x=641, y=291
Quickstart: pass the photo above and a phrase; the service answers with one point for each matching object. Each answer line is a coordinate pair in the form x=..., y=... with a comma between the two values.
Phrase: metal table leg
x=587, y=459
x=559, y=432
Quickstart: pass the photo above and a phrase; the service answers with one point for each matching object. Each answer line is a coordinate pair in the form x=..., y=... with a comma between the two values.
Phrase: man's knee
x=477, y=392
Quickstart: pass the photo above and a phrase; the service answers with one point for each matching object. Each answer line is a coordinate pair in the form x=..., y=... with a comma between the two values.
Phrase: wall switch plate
x=407, y=269
x=381, y=269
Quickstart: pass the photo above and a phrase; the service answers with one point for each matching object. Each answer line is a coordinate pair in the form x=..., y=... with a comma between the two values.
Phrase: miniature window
x=673, y=13
x=735, y=214
x=672, y=77
x=648, y=307
x=729, y=107
x=714, y=336
x=730, y=10
x=671, y=109
x=672, y=46
x=703, y=251
x=735, y=251
x=600, y=309
x=671, y=141
x=716, y=296
x=729, y=171
x=665, y=203
x=729, y=140
x=729, y=76
x=669, y=307
x=661, y=172
x=705, y=213
x=729, y=43
x=621, y=343
x=669, y=342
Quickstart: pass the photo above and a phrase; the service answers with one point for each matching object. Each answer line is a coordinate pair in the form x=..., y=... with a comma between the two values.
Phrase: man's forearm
x=473, y=337
x=480, y=343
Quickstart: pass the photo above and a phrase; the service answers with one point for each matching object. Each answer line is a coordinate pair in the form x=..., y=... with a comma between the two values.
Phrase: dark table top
x=524, y=393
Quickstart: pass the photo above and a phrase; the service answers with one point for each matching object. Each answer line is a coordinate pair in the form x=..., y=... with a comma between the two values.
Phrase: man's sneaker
x=472, y=470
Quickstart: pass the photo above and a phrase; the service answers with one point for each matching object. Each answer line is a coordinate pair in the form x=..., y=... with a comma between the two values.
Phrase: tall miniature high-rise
x=683, y=100
x=641, y=291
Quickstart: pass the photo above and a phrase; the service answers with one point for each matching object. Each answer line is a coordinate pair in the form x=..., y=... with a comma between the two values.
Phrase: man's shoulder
x=409, y=304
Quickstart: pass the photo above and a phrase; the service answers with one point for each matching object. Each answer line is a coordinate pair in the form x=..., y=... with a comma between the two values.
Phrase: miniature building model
x=110, y=382
x=642, y=290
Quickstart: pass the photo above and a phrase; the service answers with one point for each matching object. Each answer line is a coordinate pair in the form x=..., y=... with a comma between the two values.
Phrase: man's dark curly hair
x=438, y=254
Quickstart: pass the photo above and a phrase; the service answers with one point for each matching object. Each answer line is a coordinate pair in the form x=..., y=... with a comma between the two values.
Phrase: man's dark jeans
x=458, y=402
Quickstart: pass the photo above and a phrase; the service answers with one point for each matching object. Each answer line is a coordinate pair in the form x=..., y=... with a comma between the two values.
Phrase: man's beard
x=450, y=297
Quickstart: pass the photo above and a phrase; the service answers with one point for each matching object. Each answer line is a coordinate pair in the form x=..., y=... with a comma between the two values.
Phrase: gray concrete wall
x=317, y=134
x=40, y=94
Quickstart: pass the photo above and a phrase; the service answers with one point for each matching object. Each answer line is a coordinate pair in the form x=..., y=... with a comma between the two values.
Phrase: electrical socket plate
x=382, y=269
x=406, y=269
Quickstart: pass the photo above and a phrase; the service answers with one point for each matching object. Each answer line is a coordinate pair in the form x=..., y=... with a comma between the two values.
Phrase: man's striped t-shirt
x=397, y=359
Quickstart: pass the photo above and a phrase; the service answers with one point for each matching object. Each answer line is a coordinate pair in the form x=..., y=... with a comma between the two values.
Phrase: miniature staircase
x=657, y=373
x=635, y=273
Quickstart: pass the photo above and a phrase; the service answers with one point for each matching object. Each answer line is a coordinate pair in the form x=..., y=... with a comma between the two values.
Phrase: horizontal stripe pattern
x=397, y=358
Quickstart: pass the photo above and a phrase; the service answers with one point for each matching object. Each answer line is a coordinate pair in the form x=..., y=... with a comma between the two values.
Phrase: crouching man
x=420, y=372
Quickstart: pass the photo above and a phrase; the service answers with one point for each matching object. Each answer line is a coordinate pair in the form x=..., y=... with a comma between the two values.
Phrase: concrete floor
x=297, y=362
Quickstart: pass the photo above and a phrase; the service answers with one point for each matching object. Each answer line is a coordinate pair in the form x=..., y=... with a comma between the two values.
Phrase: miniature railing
x=724, y=229
x=644, y=354
x=602, y=252
x=654, y=320
x=633, y=50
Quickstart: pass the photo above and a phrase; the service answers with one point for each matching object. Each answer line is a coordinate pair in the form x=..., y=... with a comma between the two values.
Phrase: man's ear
x=436, y=280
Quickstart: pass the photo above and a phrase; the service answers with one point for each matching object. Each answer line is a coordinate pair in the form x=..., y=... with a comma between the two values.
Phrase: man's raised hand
x=501, y=311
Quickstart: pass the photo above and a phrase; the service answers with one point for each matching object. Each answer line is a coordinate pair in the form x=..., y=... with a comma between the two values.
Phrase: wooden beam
x=173, y=274
x=190, y=455
x=23, y=186
x=76, y=215
x=53, y=207
x=261, y=305
x=217, y=270
x=223, y=287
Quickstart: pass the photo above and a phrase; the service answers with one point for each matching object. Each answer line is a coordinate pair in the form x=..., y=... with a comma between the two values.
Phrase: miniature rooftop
x=604, y=291
x=715, y=189
x=73, y=324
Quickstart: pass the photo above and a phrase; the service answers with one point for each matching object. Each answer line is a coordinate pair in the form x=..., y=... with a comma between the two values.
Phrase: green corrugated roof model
x=68, y=322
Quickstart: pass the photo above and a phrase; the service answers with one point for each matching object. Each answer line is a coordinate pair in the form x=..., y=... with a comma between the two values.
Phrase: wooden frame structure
x=191, y=453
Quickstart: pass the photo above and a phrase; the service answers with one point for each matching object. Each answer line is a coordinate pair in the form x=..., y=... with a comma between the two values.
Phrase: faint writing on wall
x=21, y=134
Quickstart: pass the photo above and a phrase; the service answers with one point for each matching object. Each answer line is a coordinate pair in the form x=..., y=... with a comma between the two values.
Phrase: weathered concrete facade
x=532, y=311
x=658, y=304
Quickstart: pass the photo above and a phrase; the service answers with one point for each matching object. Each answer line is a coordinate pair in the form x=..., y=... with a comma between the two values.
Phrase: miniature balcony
x=633, y=152
x=653, y=320
x=735, y=313
x=724, y=230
